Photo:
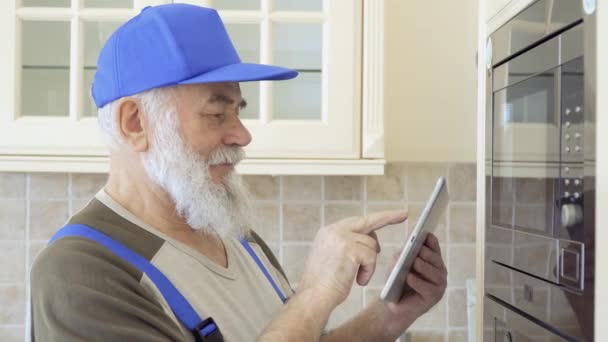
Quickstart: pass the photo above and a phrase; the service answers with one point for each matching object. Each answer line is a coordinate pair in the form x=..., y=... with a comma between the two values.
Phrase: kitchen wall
x=430, y=83
x=291, y=209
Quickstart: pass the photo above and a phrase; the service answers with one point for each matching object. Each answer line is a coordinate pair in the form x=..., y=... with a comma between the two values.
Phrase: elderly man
x=165, y=251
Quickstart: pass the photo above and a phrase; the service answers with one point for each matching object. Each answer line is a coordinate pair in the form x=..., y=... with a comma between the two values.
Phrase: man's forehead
x=226, y=93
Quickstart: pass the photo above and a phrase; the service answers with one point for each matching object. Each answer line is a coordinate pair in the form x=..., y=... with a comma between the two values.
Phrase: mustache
x=226, y=155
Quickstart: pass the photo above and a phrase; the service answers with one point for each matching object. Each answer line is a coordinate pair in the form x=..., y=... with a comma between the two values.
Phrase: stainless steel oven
x=540, y=177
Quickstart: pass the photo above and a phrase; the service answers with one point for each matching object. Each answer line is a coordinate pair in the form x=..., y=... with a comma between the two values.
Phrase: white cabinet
x=325, y=121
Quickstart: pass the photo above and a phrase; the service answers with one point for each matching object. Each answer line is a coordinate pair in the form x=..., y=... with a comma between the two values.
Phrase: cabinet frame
x=354, y=142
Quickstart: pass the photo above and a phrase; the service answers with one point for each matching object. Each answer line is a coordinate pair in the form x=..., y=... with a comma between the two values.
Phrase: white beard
x=223, y=208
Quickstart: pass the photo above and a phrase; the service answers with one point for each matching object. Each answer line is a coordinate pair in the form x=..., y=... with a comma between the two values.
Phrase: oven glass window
x=526, y=154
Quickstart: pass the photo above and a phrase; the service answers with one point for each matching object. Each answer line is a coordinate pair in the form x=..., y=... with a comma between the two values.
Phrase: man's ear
x=132, y=124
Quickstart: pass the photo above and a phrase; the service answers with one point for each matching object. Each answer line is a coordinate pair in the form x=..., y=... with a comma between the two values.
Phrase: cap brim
x=243, y=72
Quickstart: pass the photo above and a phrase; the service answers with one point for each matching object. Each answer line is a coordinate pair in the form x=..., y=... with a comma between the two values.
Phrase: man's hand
x=343, y=251
x=427, y=285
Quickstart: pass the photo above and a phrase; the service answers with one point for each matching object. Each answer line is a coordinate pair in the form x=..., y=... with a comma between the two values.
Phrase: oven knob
x=566, y=194
x=567, y=123
x=567, y=111
x=577, y=109
x=577, y=148
x=571, y=214
x=566, y=169
x=566, y=182
x=567, y=149
x=577, y=195
x=567, y=136
x=577, y=135
x=577, y=182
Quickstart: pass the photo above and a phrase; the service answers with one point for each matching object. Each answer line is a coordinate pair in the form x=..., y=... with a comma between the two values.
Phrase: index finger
x=375, y=221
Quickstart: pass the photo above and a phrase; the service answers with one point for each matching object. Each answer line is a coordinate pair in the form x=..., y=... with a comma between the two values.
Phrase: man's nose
x=237, y=134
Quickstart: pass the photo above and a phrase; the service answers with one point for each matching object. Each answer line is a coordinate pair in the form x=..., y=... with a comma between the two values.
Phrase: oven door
x=530, y=94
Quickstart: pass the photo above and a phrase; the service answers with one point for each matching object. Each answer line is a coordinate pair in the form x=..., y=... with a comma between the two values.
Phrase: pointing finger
x=374, y=221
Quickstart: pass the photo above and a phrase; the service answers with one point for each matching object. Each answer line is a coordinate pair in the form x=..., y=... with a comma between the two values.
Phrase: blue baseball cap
x=169, y=45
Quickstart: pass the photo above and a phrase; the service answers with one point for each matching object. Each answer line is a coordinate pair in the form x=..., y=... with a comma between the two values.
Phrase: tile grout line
x=322, y=202
x=405, y=198
x=363, y=189
x=10, y=283
x=70, y=199
x=297, y=243
x=281, y=222
x=448, y=224
x=26, y=322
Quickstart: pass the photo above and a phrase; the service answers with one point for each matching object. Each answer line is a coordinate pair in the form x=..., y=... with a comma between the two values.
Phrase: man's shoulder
x=79, y=260
x=75, y=257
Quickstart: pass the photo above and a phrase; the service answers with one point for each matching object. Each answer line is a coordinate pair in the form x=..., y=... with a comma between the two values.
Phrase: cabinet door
x=317, y=114
x=47, y=64
x=48, y=59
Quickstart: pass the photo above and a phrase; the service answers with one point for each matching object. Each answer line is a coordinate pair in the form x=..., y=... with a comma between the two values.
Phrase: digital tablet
x=434, y=208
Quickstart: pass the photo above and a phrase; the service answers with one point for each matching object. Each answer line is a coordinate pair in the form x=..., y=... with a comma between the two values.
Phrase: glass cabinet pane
x=298, y=46
x=298, y=5
x=95, y=36
x=241, y=5
x=250, y=91
x=246, y=40
x=45, y=3
x=108, y=3
x=45, y=71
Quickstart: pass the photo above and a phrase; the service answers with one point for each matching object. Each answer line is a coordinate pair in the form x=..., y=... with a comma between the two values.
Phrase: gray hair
x=154, y=102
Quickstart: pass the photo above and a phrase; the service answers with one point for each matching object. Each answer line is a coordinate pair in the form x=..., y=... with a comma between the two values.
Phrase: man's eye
x=219, y=116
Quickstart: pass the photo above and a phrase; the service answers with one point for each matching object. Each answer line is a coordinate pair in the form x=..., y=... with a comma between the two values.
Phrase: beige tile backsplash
x=290, y=210
x=12, y=214
x=348, y=188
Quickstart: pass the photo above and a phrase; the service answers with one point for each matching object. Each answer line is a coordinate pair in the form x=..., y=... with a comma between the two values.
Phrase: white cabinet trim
x=373, y=80
x=79, y=164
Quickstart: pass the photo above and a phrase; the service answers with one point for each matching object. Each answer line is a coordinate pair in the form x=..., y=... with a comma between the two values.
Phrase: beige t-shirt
x=82, y=291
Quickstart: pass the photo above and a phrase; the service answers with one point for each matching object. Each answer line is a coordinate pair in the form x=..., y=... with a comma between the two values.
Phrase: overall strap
x=203, y=330
x=257, y=260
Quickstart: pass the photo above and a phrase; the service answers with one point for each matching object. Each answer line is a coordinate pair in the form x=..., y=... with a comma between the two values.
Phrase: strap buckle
x=207, y=331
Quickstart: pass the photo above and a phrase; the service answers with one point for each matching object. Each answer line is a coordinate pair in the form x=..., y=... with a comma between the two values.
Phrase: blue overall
x=202, y=330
